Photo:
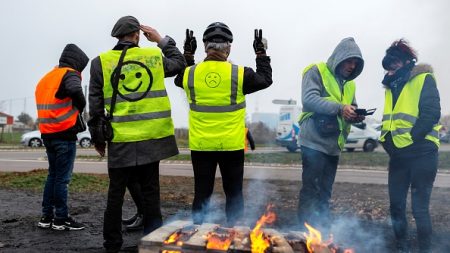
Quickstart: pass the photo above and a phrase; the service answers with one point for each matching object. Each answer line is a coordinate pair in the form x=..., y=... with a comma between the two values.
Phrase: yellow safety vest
x=217, y=106
x=401, y=119
x=142, y=109
x=333, y=89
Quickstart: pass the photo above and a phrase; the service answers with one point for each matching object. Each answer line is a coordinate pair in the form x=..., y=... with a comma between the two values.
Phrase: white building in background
x=269, y=119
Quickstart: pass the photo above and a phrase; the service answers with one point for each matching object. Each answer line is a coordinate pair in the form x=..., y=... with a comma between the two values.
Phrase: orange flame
x=170, y=251
x=314, y=242
x=219, y=241
x=174, y=239
x=259, y=242
x=314, y=238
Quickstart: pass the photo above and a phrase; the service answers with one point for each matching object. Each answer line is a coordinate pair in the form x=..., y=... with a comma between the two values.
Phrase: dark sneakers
x=138, y=224
x=130, y=220
x=67, y=224
x=45, y=222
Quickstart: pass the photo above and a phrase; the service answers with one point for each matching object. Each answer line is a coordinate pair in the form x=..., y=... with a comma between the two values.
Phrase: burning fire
x=220, y=239
x=174, y=239
x=314, y=242
x=259, y=242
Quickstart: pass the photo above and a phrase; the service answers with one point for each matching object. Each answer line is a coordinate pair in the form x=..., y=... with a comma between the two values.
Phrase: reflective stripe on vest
x=335, y=95
x=401, y=119
x=217, y=106
x=54, y=115
x=142, y=109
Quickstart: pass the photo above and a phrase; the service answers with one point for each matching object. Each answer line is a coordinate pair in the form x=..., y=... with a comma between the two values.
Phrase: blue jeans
x=61, y=156
x=319, y=172
x=418, y=173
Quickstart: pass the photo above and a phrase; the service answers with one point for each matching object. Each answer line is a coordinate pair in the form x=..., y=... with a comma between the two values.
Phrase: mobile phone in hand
x=365, y=112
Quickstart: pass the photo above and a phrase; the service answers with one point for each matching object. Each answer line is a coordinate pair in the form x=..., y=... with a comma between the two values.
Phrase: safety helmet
x=218, y=32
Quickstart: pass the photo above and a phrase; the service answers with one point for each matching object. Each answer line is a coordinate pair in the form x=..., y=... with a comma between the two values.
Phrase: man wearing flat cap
x=128, y=82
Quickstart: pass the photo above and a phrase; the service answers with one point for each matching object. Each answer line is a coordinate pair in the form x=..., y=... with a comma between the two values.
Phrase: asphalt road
x=30, y=160
x=36, y=153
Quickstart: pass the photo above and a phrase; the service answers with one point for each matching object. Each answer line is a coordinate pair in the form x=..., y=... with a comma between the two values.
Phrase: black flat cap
x=125, y=25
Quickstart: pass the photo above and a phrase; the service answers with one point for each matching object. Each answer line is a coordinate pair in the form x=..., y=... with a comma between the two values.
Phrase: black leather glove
x=258, y=44
x=190, y=43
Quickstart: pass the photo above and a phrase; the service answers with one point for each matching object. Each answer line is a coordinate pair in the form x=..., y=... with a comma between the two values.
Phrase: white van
x=288, y=129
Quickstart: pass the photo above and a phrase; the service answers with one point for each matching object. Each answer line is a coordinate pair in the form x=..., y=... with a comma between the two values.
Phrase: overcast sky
x=298, y=33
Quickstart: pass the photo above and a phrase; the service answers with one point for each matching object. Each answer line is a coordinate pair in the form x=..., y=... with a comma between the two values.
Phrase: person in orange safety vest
x=60, y=101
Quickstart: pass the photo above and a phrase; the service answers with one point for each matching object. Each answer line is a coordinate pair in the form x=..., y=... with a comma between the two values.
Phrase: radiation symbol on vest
x=135, y=80
x=212, y=79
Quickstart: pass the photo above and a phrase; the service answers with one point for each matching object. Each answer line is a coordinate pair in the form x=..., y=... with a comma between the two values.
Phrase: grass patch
x=35, y=180
x=363, y=159
x=10, y=138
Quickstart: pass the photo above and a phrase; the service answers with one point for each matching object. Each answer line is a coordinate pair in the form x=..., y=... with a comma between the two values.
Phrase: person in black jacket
x=249, y=140
x=215, y=149
x=134, y=159
x=59, y=132
x=413, y=151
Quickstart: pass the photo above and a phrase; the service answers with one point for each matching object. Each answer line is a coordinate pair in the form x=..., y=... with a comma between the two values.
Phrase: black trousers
x=417, y=173
x=134, y=188
x=148, y=178
x=231, y=164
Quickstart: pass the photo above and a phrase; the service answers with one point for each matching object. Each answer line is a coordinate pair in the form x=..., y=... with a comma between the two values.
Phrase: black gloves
x=259, y=44
x=190, y=43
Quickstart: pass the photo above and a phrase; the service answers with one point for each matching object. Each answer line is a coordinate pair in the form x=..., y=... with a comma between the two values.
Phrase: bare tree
x=445, y=121
x=261, y=133
x=26, y=119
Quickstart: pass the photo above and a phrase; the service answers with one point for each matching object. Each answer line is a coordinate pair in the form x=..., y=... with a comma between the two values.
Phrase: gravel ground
x=360, y=210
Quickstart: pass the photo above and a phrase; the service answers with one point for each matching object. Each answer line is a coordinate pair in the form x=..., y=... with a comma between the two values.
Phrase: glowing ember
x=170, y=251
x=220, y=239
x=259, y=242
x=180, y=236
x=174, y=239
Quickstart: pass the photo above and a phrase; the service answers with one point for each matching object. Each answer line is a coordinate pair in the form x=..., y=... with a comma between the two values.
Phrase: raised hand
x=190, y=43
x=258, y=43
x=151, y=34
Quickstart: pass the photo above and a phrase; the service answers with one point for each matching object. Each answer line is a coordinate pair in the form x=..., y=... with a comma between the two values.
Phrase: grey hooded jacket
x=313, y=93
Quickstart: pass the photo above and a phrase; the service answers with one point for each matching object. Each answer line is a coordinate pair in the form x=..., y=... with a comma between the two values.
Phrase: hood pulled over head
x=346, y=49
x=72, y=56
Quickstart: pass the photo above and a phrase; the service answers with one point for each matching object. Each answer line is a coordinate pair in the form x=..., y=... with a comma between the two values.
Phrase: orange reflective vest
x=54, y=115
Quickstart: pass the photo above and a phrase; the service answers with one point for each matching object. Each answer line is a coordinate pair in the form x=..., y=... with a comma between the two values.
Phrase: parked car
x=445, y=137
x=33, y=139
x=363, y=137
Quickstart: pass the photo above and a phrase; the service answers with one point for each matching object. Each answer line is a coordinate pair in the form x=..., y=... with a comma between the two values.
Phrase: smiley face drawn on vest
x=133, y=76
x=213, y=79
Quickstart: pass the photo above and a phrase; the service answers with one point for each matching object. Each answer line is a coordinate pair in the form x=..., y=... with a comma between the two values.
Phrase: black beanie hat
x=125, y=25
